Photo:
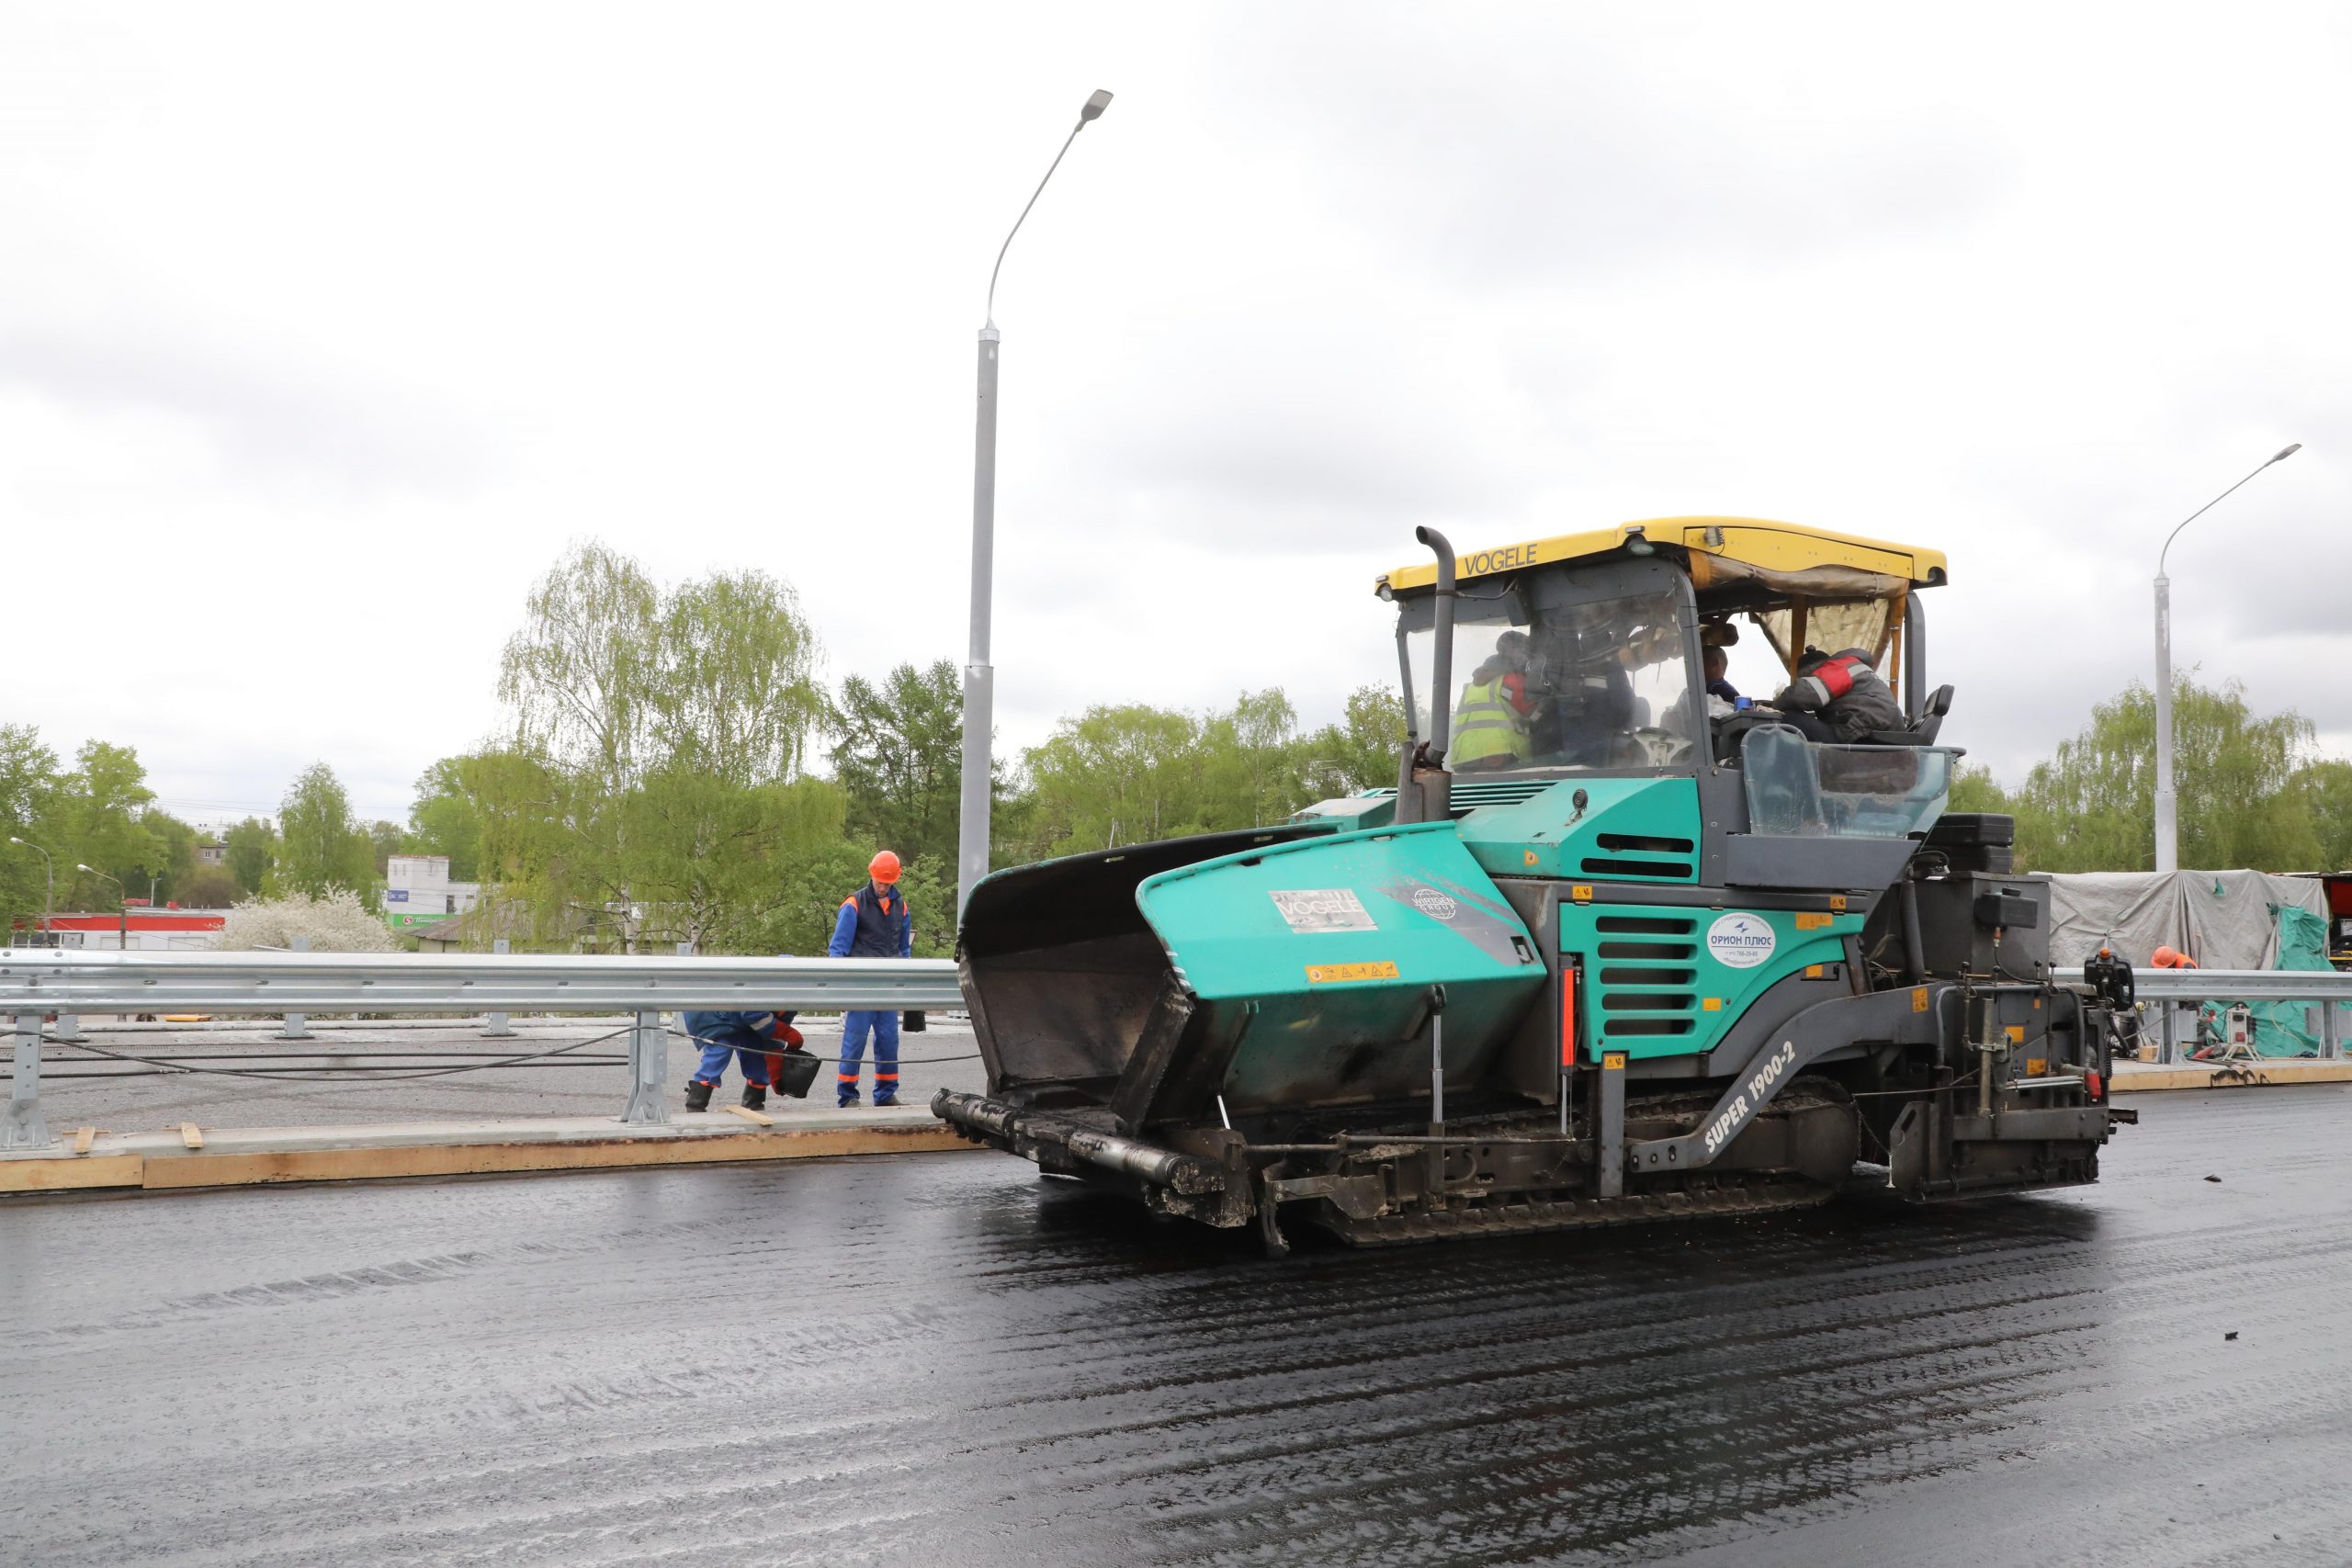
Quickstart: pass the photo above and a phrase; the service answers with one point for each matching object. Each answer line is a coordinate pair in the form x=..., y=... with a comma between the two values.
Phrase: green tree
x=807, y=897
x=1360, y=751
x=1116, y=775
x=2091, y=806
x=28, y=785
x=206, y=887
x=176, y=841
x=2323, y=793
x=898, y=754
x=1976, y=789
x=653, y=790
x=1250, y=771
x=446, y=817
x=704, y=855
x=386, y=839
x=798, y=915
x=252, y=847
x=322, y=846
x=1133, y=773
x=95, y=818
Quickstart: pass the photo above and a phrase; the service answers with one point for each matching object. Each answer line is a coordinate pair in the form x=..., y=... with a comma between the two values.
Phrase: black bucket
x=795, y=1071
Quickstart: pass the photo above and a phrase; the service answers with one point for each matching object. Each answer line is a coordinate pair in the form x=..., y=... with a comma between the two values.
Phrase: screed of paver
x=941, y=1360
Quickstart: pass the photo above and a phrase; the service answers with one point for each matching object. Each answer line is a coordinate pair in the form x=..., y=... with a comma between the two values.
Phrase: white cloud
x=322, y=335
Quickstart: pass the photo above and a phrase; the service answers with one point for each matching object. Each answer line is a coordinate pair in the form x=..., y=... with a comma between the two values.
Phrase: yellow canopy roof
x=1751, y=541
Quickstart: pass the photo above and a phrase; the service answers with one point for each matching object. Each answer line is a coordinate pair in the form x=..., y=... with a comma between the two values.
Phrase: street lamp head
x=91, y=869
x=2290, y=450
x=1095, y=105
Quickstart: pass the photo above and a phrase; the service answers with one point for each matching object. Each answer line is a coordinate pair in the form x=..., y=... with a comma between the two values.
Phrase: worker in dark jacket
x=873, y=923
x=1838, y=697
x=758, y=1037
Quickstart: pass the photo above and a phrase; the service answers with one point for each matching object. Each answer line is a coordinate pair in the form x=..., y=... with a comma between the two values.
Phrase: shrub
x=335, y=922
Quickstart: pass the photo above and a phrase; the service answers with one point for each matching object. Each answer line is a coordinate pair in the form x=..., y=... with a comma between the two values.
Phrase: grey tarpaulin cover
x=2223, y=920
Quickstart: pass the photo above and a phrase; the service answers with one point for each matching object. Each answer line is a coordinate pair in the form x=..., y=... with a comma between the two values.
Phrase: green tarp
x=2288, y=1029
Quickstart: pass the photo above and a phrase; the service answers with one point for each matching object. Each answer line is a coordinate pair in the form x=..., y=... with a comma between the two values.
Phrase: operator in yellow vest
x=1491, y=720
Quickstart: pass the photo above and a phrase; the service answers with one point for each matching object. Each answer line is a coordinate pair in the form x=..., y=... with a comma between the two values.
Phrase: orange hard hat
x=2169, y=957
x=883, y=868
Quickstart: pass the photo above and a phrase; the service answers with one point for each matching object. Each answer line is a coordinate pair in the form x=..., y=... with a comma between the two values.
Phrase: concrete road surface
x=234, y=1074
x=942, y=1360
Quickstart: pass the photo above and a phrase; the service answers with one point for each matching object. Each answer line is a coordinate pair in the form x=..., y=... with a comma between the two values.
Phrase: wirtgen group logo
x=1742, y=941
x=1433, y=904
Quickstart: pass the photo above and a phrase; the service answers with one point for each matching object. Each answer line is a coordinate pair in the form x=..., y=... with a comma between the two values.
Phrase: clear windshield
x=1603, y=683
x=1816, y=791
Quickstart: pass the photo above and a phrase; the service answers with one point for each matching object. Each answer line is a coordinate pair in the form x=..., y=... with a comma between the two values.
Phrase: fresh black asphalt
x=943, y=1361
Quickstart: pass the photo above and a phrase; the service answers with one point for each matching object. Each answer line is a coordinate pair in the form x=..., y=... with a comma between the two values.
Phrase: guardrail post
x=298, y=1025
x=26, y=1128
x=2330, y=1038
x=69, y=1030
x=649, y=1072
x=498, y=1028
x=2167, y=1033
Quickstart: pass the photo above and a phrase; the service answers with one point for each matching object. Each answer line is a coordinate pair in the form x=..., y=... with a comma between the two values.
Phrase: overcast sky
x=323, y=330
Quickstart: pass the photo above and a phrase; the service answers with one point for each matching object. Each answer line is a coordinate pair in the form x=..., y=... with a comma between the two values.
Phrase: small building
x=142, y=931
x=418, y=892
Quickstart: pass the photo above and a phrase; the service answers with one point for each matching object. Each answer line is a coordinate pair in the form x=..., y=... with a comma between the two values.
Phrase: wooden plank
x=2271, y=1073
x=70, y=1175
x=221, y=1169
x=84, y=1139
x=757, y=1119
x=191, y=1134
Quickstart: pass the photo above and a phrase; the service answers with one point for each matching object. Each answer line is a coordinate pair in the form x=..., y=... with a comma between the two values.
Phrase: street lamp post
x=122, y=903
x=2167, y=807
x=980, y=677
x=49, y=898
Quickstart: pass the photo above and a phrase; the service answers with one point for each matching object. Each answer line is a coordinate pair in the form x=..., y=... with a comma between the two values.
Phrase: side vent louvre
x=1654, y=870
x=1646, y=999
x=1642, y=844
x=1614, y=974
x=1470, y=794
x=1670, y=950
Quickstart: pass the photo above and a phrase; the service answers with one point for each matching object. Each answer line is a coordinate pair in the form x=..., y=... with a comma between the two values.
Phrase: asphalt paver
x=945, y=1361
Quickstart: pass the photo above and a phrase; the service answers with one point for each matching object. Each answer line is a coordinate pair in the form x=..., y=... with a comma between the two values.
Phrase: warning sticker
x=1330, y=973
x=1323, y=910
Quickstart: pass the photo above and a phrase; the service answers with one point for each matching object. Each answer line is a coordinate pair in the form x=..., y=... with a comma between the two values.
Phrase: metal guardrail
x=38, y=982
x=2326, y=990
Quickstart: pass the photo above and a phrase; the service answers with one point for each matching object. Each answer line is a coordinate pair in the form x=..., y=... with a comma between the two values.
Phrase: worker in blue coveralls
x=758, y=1037
x=874, y=923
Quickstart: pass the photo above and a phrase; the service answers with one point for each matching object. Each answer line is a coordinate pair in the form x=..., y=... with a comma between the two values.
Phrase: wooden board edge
x=395, y=1162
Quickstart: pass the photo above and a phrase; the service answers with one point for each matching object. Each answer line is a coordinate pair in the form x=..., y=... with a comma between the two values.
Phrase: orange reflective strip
x=1567, y=1015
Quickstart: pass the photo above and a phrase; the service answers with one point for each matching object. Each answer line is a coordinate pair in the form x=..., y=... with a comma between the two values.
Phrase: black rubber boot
x=755, y=1097
x=698, y=1095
